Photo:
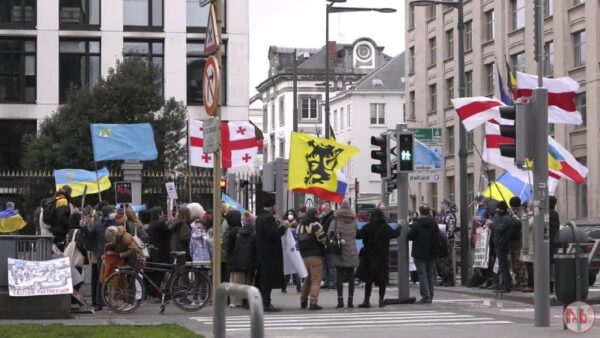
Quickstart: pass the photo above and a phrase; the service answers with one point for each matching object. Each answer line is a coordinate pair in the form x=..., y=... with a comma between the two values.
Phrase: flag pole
x=189, y=174
x=97, y=181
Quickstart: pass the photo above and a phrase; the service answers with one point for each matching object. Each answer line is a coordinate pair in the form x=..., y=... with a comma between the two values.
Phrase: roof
x=388, y=77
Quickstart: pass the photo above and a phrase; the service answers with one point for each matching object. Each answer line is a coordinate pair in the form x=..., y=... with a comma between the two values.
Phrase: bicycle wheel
x=123, y=291
x=190, y=289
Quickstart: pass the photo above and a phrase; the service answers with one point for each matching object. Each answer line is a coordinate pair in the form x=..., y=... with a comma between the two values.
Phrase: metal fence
x=31, y=248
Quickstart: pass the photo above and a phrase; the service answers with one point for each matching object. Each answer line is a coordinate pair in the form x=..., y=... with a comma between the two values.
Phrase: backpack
x=49, y=212
x=440, y=245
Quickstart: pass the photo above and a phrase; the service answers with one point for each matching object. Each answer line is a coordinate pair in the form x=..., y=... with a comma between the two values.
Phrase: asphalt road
x=451, y=315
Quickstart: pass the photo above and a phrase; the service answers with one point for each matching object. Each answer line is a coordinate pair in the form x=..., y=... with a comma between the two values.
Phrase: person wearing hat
x=515, y=243
x=501, y=232
x=448, y=218
x=311, y=242
x=269, y=254
x=344, y=224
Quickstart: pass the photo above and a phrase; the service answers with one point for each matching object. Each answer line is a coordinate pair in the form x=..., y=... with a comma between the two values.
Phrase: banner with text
x=28, y=278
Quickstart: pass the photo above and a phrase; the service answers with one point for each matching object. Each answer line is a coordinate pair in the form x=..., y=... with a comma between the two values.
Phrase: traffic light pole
x=540, y=184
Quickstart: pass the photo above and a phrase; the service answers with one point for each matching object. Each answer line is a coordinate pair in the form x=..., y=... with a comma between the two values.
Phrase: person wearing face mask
x=293, y=221
x=269, y=253
x=95, y=234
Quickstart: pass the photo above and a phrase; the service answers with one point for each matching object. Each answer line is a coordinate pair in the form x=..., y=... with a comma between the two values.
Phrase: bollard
x=254, y=303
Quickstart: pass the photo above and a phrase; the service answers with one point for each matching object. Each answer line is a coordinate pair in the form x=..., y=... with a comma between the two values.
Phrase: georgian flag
x=561, y=96
x=239, y=145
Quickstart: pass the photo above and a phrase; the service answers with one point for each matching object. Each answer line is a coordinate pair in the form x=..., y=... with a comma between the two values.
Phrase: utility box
x=566, y=277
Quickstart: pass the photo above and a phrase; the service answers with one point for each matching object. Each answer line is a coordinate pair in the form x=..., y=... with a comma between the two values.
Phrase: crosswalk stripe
x=356, y=320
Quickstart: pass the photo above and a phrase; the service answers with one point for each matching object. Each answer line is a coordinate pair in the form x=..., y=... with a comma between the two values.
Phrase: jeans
x=329, y=272
x=295, y=279
x=312, y=283
x=427, y=277
x=504, y=283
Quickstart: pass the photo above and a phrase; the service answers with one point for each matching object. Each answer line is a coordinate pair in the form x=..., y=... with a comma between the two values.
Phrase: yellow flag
x=314, y=161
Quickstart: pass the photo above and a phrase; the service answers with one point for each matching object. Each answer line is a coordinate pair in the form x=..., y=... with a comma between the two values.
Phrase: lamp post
x=462, y=136
x=330, y=9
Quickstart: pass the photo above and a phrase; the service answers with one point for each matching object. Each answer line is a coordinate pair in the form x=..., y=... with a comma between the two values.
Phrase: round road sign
x=579, y=317
x=211, y=85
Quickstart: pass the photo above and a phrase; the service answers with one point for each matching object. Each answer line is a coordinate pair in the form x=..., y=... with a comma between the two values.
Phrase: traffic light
x=406, y=151
x=223, y=184
x=519, y=114
x=383, y=142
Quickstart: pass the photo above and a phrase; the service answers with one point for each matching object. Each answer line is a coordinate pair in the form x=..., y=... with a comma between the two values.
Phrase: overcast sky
x=301, y=23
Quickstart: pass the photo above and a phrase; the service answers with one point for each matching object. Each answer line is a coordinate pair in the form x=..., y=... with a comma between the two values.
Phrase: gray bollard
x=254, y=303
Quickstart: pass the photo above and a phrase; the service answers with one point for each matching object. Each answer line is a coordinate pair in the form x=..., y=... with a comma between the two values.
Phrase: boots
x=365, y=304
x=350, y=302
x=340, y=304
x=381, y=302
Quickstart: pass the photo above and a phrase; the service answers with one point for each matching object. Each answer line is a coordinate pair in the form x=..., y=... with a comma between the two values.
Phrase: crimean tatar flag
x=314, y=163
x=78, y=179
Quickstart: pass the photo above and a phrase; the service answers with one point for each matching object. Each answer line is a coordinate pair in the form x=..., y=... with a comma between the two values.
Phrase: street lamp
x=462, y=136
x=330, y=9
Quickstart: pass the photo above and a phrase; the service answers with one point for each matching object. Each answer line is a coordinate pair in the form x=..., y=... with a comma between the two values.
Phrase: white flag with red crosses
x=239, y=145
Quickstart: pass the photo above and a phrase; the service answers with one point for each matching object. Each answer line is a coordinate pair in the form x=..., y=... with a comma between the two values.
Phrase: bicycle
x=187, y=284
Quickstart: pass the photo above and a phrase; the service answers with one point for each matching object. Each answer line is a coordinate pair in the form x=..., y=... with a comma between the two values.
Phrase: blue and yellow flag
x=123, y=142
x=78, y=179
x=10, y=221
x=230, y=203
x=314, y=162
x=506, y=187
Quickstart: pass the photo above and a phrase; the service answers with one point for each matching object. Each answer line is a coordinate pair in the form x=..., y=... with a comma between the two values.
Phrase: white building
x=349, y=64
x=368, y=108
x=46, y=45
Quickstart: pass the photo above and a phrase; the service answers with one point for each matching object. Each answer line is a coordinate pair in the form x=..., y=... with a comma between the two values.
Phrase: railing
x=254, y=303
x=31, y=248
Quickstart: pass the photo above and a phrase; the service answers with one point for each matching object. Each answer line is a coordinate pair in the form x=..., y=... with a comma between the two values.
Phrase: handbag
x=71, y=251
x=334, y=242
x=141, y=245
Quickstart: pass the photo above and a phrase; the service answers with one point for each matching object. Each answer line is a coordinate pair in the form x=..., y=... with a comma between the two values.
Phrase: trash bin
x=565, y=278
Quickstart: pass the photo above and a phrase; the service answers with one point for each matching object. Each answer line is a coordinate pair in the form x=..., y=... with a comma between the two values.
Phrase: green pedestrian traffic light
x=406, y=151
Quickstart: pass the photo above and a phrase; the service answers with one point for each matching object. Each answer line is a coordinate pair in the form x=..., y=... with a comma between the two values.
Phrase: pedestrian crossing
x=357, y=320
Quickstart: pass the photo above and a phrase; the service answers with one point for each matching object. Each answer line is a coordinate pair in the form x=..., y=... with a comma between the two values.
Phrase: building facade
x=46, y=46
x=495, y=31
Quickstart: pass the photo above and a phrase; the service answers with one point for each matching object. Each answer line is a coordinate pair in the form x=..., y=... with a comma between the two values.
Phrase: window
x=265, y=116
x=490, y=175
x=518, y=14
x=469, y=84
x=432, y=50
x=578, y=2
x=450, y=43
x=342, y=118
x=281, y=111
x=377, y=113
x=411, y=17
x=197, y=16
x=581, y=104
x=411, y=60
x=430, y=12
x=489, y=78
x=309, y=108
x=79, y=65
x=80, y=13
x=143, y=13
x=581, y=194
x=450, y=188
x=282, y=148
x=549, y=58
x=518, y=62
x=579, y=48
x=151, y=50
x=412, y=113
x=489, y=25
x=432, y=99
x=17, y=70
x=434, y=195
x=471, y=193
x=349, y=115
x=12, y=147
x=469, y=140
x=449, y=91
x=548, y=8
x=272, y=143
x=468, y=35
x=195, y=70
x=335, y=120
x=17, y=13
x=272, y=115
x=450, y=140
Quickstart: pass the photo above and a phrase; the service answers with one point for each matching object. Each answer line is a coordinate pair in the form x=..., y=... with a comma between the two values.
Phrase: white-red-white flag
x=561, y=96
x=239, y=146
x=475, y=111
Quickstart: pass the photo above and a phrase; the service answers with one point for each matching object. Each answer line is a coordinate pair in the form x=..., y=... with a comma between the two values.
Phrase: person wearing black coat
x=422, y=234
x=554, y=225
x=501, y=233
x=269, y=254
x=374, y=256
x=181, y=232
x=234, y=224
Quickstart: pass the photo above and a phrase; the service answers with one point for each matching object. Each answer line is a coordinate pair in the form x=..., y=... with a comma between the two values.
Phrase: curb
x=515, y=296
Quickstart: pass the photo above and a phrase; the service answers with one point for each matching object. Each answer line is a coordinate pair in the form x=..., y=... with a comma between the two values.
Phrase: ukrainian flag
x=10, y=221
x=78, y=179
x=506, y=187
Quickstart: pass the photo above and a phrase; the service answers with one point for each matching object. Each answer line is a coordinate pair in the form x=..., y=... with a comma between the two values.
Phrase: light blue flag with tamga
x=123, y=142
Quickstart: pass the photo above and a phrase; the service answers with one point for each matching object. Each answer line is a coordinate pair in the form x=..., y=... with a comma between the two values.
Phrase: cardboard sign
x=171, y=191
x=28, y=278
x=123, y=193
